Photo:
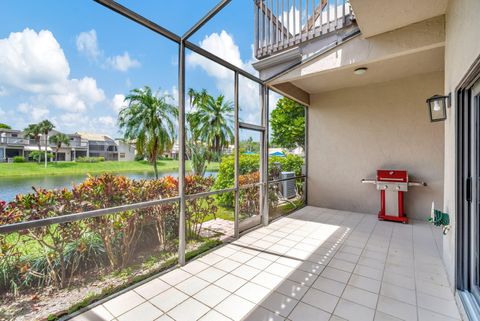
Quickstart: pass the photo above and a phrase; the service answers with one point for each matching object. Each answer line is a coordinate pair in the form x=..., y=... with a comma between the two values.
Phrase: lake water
x=10, y=187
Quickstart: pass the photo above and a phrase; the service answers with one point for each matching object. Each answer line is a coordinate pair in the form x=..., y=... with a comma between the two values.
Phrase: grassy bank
x=71, y=168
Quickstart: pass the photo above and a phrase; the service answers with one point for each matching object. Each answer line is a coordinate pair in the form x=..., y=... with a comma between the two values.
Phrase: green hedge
x=19, y=159
x=90, y=159
x=250, y=164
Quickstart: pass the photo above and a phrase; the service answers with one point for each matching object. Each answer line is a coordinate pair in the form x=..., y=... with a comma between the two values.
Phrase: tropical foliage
x=45, y=127
x=61, y=254
x=287, y=122
x=33, y=131
x=58, y=140
x=211, y=121
x=149, y=120
x=251, y=164
x=39, y=156
x=198, y=154
x=4, y=126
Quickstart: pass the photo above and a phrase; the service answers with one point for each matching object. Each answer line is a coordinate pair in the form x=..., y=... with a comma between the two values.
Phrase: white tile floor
x=316, y=264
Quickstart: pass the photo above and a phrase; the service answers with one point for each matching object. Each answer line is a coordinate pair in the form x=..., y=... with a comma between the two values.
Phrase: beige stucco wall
x=355, y=131
x=462, y=48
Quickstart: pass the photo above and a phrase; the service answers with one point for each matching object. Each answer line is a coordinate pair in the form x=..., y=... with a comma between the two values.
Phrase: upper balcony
x=284, y=24
x=20, y=141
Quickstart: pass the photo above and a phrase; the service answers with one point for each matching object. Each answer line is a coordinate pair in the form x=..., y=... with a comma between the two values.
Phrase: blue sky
x=73, y=61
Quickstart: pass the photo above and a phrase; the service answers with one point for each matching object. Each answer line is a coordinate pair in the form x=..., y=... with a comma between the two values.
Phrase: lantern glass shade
x=437, y=107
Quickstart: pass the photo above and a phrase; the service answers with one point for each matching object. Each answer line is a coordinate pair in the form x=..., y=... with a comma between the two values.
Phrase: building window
x=122, y=155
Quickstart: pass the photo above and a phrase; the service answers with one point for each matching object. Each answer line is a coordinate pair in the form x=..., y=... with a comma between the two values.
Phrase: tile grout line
x=383, y=272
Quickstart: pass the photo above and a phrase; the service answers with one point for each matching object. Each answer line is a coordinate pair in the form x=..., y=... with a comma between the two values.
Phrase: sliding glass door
x=468, y=197
x=474, y=277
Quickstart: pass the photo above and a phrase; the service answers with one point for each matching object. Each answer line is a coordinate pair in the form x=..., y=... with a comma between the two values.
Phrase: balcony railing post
x=288, y=23
x=277, y=30
x=336, y=15
x=294, y=21
x=283, y=22
x=256, y=27
x=314, y=16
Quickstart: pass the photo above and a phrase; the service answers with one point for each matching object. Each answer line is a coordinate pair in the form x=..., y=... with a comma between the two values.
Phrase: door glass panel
x=250, y=102
x=249, y=177
x=285, y=197
x=209, y=124
x=475, y=208
x=476, y=199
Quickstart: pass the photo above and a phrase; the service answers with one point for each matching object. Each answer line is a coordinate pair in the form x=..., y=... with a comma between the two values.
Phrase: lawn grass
x=72, y=168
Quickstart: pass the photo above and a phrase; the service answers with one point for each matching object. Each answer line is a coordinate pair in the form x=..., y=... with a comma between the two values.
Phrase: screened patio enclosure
x=256, y=212
x=244, y=219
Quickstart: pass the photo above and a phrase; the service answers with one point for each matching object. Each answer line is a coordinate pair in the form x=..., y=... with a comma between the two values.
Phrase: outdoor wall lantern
x=437, y=107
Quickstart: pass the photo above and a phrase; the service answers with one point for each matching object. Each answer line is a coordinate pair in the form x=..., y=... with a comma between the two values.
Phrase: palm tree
x=58, y=140
x=211, y=121
x=150, y=121
x=46, y=126
x=33, y=131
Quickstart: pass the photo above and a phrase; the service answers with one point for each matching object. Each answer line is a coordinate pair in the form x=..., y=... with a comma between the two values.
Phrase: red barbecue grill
x=392, y=184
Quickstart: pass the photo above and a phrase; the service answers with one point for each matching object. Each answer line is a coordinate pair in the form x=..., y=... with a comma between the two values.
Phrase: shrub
x=39, y=156
x=199, y=208
x=90, y=159
x=60, y=253
x=54, y=238
x=139, y=157
x=19, y=159
x=251, y=164
x=199, y=155
x=249, y=198
x=120, y=231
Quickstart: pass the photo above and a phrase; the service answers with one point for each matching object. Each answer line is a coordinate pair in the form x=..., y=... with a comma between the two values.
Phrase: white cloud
x=291, y=19
x=172, y=95
x=75, y=122
x=122, y=62
x=35, y=63
x=35, y=113
x=223, y=45
x=32, y=62
x=107, y=121
x=88, y=45
x=118, y=102
x=78, y=95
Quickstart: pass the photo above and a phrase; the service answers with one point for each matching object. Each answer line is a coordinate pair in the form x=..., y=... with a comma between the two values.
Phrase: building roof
x=95, y=137
x=5, y=130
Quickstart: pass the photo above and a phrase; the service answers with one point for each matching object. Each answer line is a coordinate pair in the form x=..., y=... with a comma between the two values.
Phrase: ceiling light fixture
x=360, y=71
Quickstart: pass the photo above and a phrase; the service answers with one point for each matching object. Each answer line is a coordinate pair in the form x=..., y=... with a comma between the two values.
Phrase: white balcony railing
x=282, y=24
x=17, y=141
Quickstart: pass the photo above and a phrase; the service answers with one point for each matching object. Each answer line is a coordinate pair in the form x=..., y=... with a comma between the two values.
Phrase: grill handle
x=369, y=181
x=412, y=183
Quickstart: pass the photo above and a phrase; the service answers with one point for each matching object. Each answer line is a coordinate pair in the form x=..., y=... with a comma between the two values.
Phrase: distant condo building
x=14, y=143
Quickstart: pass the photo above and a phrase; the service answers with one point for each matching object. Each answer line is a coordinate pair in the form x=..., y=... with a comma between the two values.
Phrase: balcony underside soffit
x=415, y=49
x=378, y=16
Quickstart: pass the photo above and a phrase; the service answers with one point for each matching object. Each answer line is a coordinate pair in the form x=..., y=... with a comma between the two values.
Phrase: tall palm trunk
x=154, y=158
x=39, y=150
x=155, y=169
x=46, y=149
